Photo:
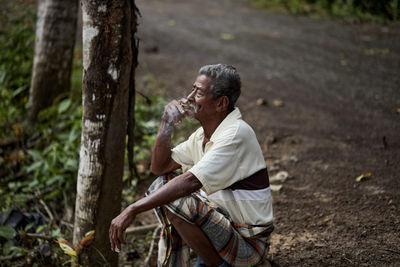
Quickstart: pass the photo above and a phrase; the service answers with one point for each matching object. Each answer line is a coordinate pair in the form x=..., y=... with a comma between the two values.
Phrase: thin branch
x=102, y=256
x=148, y=100
x=67, y=224
x=390, y=250
x=39, y=236
x=141, y=229
x=41, y=214
x=348, y=260
x=39, y=194
x=47, y=209
x=146, y=261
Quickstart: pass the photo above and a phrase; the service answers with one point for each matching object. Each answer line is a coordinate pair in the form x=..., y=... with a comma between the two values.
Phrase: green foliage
x=362, y=10
x=43, y=159
x=55, y=156
x=16, y=43
x=147, y=116
x=6, y=232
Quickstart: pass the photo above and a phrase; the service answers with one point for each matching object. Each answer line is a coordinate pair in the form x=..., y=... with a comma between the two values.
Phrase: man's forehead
x=202, y=82
x=199, y=85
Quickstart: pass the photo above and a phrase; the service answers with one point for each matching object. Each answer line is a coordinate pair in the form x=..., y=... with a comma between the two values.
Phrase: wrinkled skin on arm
x=161, y=161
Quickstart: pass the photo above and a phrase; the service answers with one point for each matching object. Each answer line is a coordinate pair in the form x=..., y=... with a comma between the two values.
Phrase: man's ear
x=223, y=103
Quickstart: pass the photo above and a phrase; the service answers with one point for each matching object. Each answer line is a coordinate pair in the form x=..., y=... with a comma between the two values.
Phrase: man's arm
x=161, y=161
x=178, y=187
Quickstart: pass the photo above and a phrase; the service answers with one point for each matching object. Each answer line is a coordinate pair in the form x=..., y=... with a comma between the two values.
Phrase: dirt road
x=339, y=84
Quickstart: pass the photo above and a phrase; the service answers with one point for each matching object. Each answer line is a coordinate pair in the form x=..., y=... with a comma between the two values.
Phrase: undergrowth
x=352, y=10
x=39, y=163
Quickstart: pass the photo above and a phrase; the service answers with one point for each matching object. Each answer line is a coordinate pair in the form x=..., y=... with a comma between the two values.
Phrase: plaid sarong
x=238, y=244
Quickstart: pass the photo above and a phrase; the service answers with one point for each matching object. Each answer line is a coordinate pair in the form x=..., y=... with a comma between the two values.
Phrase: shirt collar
x=229, y=120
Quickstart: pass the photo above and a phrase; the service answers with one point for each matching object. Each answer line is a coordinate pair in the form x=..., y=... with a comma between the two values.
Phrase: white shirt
x=231, y=155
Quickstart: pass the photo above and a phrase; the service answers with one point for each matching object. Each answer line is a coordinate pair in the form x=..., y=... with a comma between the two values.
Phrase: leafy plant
x=73, y=251
x=16, y=43
x=42, y=160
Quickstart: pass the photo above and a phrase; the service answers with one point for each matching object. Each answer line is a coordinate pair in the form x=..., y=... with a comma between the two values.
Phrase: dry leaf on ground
x=363, y=177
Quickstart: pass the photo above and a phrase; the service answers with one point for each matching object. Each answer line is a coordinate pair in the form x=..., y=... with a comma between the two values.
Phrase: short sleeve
x=182, y=153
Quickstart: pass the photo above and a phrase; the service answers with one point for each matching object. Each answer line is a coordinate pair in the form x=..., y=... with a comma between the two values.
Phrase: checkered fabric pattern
x=238, y=244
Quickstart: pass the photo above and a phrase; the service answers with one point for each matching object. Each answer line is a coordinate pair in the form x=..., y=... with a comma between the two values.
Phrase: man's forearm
x=161, y=161
x=161, y=156
x=178, y=187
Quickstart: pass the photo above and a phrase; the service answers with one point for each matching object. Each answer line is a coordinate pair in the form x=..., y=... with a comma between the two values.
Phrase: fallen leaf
x=275, y=188
x=278, y=103
x=227, y=36
x=67, y=247
x=279, y=177
x=89, y=234
x=363, y=177
x=261, y=101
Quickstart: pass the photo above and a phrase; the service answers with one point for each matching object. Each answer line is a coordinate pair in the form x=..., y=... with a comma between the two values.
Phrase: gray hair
x=225, y=82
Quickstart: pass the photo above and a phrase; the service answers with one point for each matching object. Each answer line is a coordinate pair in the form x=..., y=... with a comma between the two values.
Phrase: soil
x=339, y=117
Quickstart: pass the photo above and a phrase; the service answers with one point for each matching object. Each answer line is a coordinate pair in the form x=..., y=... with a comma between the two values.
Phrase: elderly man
x=220, y=206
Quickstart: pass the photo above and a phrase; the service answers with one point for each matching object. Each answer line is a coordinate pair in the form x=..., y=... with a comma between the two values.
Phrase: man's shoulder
x=244, y=129
x=237, y=130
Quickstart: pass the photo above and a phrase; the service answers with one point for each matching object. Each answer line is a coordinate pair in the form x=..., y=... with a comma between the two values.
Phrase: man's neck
x=212, y=124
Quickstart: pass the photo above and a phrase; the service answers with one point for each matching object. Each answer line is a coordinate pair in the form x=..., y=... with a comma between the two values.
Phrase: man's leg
x=196, y=239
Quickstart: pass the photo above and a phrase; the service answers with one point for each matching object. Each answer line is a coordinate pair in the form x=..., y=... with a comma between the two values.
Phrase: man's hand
x=173, y=112
x=118, y=227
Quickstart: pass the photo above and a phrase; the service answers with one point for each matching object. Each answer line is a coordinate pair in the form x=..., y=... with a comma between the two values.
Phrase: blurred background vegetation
x=352, y=10
x=39, y=163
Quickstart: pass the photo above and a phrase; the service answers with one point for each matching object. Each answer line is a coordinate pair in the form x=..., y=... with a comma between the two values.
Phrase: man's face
x=201, y=95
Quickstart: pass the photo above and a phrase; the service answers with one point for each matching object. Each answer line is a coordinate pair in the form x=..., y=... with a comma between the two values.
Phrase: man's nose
x=190, y=97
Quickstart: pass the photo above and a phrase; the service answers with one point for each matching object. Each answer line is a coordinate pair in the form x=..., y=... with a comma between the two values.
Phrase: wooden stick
x=47, y=209
x=141, y=229
x=102, y=256
x=146, y=261
x=39, y=236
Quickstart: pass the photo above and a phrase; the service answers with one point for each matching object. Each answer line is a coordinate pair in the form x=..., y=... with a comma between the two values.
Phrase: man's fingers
x=112, y=238
x=180, y=108
x=177, y=105
x=112, y=242
x=121, y=236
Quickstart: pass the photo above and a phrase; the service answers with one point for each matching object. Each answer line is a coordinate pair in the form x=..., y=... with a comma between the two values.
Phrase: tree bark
x=54, y=49
x=108, y=66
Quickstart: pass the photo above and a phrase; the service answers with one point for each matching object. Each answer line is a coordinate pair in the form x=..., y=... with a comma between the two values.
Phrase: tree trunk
x=109, y=58
x=54, y=49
